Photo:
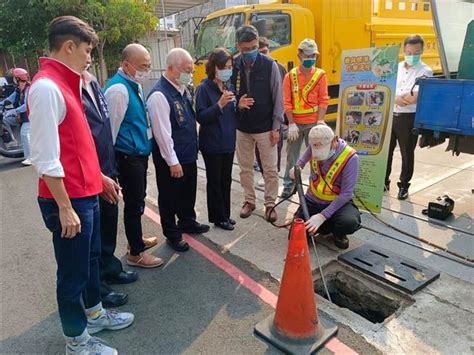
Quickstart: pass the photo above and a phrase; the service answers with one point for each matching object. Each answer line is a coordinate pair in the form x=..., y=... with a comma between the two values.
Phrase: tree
x=117, y=22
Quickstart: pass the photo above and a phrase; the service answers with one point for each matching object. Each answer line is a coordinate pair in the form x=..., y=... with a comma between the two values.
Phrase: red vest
x=78, y=154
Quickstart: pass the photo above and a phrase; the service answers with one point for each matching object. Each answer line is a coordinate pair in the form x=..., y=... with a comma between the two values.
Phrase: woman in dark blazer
x=215, y=112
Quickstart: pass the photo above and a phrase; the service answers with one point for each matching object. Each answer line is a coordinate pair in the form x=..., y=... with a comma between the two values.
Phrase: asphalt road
x=186, y=306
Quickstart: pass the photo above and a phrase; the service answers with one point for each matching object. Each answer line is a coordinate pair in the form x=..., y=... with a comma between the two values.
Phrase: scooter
x=10, y=147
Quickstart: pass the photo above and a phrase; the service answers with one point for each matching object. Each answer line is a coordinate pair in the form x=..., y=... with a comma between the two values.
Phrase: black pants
x=110, y=265
x=132, y=178
x=176, y=197
x=344, y=221
x=402, y=133
x=219, y=180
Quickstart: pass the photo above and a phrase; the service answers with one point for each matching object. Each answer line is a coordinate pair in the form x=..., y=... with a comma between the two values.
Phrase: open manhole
x=359, y=293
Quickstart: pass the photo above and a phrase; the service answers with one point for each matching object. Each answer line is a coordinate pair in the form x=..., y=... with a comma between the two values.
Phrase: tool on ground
x=441, y=208
x=295, y=327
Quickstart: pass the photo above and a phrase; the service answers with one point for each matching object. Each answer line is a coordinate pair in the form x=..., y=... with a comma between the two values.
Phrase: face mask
x=185, y=78
x=250, y=57
x=412, y=59
x=309, y=62
x=141, y=76
x=224, y=74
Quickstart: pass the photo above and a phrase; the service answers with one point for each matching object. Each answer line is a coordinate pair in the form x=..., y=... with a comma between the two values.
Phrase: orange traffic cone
x=296, y=328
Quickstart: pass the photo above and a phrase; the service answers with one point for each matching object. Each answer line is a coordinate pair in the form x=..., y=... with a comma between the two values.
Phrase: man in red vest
x=70, y=180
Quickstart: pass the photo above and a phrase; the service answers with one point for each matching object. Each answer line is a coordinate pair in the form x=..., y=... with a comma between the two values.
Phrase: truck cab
x=335, y=25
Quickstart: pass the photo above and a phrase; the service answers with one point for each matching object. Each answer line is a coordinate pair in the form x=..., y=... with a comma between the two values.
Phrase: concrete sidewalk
x=441, y=312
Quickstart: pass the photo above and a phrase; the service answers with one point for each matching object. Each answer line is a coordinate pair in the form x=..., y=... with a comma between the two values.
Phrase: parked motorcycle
x=10, y=147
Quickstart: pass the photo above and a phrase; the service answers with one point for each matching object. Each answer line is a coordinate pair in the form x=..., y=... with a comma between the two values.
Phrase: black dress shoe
x=197, y=228
x=178, y=245
x=114, y=299
x=232, y=221
x=341, y=242
x=125, y=277
x=402, y=193
x=225, y=225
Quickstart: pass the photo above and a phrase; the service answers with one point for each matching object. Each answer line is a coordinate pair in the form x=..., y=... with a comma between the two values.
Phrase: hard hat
x=308, y=46
x=21, y=74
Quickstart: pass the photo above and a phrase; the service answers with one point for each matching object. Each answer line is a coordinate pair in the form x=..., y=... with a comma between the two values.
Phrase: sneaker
x=91, y=345
x=261, y=182
x=403, y=193
x=27, y=162
x=144, y=260
x=287, y=192
x=109, y=319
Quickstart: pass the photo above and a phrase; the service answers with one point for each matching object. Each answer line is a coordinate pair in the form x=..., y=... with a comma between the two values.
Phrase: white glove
x=293, y=132
x=314, y=222
x=11, y=112
x=292, y=173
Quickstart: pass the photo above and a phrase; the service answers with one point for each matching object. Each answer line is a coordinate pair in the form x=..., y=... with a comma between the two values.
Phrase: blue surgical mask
x=413, y=60
x=250, y=56
x=309, y=62
x=224, y=74
x=185, y=78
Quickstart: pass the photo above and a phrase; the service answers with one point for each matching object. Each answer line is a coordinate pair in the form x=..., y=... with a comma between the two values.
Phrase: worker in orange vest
x=305, y=99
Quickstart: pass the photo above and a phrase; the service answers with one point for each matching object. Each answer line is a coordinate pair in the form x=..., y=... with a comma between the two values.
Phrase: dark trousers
x=176, y=197
x=78, y=280
x=132, y=178
x=344, y=221
x=110, y=265
x=402, y=133
x=219, y=181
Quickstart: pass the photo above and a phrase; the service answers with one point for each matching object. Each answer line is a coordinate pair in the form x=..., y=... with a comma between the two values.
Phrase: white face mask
x=141, y=76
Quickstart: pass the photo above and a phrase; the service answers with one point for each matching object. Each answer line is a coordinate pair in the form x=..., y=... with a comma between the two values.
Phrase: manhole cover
x=389, y=267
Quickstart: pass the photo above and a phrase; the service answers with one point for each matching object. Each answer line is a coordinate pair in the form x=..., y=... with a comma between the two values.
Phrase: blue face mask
x=413, y=59
x=224, y=74
x=250, y=56
x=309, y=62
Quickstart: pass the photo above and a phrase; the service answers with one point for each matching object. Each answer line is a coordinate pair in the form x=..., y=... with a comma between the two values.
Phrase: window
x=218, y=32
x=276, y=26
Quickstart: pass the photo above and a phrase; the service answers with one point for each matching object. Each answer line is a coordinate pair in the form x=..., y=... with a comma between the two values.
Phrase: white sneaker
x=261, y=182
x=90, y=346
x=109, y=319
x=27, y=162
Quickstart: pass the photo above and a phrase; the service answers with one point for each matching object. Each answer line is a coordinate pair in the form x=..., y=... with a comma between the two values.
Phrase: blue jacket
x=183, y=121
x=217, y=131
x=99, y=122
x=18, y=99
x=132, y=137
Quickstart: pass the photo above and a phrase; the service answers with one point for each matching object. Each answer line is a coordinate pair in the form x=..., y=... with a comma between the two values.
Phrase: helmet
x=21, y=74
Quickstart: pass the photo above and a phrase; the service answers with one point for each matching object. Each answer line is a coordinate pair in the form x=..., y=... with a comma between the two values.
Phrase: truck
x=335, y=25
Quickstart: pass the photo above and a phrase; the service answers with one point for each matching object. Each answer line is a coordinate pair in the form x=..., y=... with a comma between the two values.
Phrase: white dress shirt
x=47, y=111
x=159, y=111
x=406, y=79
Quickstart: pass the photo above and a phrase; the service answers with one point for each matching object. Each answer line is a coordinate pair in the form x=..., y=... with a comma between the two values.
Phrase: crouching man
x=334, y=167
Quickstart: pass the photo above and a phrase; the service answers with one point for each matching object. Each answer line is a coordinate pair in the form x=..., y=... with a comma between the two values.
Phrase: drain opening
x=348, y=292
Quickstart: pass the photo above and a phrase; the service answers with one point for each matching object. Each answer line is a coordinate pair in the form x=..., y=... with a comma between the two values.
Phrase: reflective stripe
x=323, y=188
x=300, y=102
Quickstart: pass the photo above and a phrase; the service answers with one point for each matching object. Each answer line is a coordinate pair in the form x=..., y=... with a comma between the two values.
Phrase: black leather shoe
x=225, y=225
x=402, y=193
x=179, y=245
x=125, y=277
x=114, y=299
x=232, y=221
x=341, y=242
x=198, y=228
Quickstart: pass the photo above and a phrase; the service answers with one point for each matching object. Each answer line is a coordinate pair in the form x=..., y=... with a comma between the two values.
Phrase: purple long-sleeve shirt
x=345, y=181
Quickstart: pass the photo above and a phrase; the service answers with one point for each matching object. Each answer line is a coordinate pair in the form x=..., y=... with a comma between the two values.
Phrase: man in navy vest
x=111, y=270
x=257, y=78
x=175, y=149
x=132, y=142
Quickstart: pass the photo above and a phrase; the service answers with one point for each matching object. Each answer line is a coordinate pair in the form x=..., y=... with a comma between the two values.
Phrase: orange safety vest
x=301, y=102
x=323, y=186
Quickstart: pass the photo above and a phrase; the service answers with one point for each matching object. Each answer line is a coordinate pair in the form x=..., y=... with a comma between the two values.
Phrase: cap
x=320, y=138
x=308, y=46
